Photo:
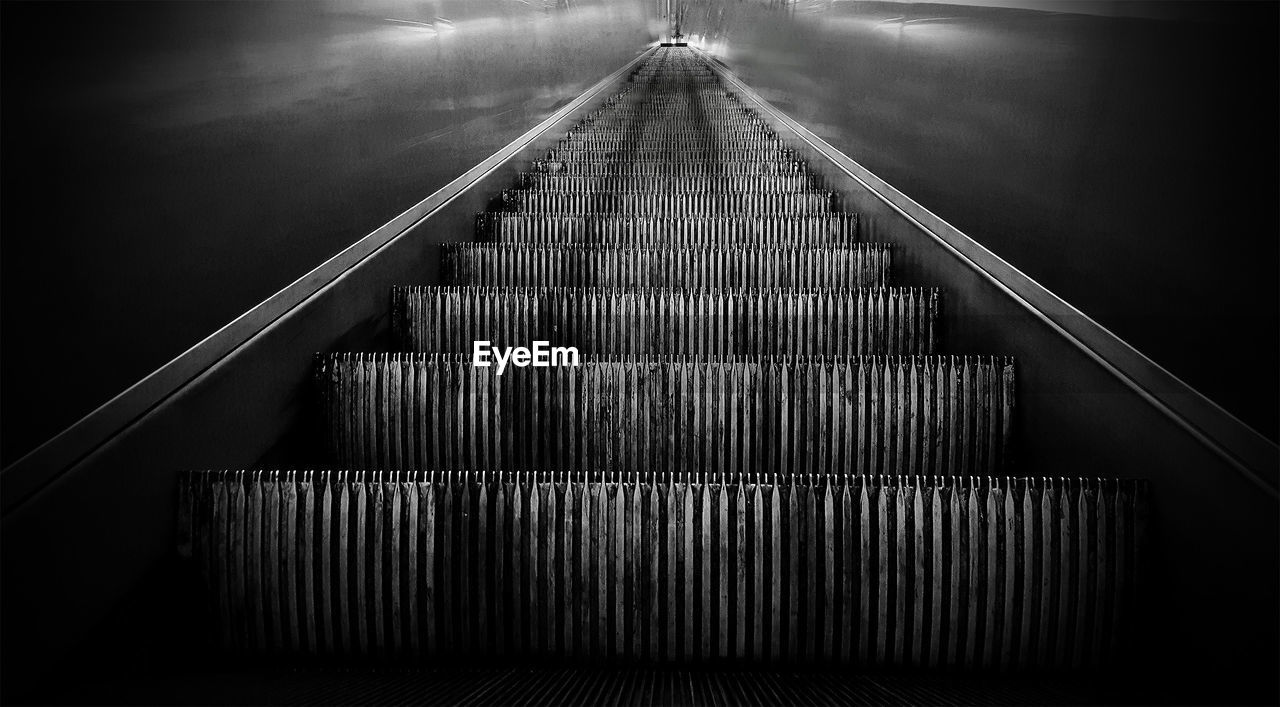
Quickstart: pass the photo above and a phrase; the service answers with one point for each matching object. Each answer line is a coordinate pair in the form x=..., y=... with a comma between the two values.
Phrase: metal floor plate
x=551, y=686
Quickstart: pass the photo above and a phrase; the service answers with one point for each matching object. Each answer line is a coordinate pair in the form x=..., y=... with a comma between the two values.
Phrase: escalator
x=761, y=475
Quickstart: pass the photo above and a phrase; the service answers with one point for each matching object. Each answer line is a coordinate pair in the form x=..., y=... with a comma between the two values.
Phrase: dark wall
x=1127, y=164
x=168, y=165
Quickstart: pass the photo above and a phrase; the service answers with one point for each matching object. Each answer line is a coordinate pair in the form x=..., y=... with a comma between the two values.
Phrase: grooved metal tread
x=531, y=686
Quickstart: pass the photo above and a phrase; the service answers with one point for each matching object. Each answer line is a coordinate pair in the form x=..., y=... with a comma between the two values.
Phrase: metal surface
x=554, y=686
x=586, y=265
x=847, y=569
x=942, y=415
x=890, y=321
x=835, y=230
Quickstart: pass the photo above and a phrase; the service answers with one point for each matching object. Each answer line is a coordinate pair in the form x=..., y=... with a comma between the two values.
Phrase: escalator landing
x=583, y=686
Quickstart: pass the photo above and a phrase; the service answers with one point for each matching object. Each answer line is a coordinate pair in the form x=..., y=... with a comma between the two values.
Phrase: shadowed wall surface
x=169, y=165
x=1128, y=164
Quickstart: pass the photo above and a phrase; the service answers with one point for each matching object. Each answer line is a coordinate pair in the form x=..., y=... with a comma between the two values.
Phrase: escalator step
x=738, y=414
x=836, y=230
x=748, y=167
x=650, y=203
x=873, y=571
x=555, y=265
x=571, y=184
x=715, y=322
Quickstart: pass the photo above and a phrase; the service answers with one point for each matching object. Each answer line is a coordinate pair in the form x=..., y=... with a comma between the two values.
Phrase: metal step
x=833, y=230
x=941, y=415
x=992, y=573
x=578, y=184
x=648, y=203
x=890, y=321
x=586, y=265
x=754, y=167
